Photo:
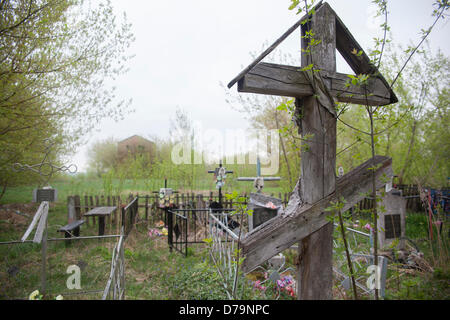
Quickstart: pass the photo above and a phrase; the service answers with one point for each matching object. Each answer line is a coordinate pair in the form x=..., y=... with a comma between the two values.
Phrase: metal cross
x=258, y=181
x=45, y=168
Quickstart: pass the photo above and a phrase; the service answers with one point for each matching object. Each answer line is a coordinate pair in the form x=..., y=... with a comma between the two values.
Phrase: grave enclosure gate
x=315, y=88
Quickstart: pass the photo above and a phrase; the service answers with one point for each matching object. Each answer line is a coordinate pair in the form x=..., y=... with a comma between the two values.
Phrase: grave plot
x=71, y=266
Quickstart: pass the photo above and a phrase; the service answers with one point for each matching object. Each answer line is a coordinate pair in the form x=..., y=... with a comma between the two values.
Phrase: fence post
x=71, y=214
x=119, y=214
x=91, y=201
x=146, y=208
x=108, y=203
x=169, y=216
x=77, y=207
x=86, y=208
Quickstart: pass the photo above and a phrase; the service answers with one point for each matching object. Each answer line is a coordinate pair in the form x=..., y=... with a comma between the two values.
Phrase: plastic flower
x=164, y=231
x=368, y=226
x=270, y=205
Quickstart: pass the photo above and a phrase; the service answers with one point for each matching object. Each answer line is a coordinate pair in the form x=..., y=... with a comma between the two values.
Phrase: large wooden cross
x=304, y=221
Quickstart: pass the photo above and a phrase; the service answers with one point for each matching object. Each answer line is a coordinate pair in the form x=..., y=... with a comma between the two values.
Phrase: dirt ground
x=16, y=214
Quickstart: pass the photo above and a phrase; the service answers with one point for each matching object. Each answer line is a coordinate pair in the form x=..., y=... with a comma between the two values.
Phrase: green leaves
x=359, y=80
x=294, y=4
x=308, y=67
x=208, y=241
x=54, y=66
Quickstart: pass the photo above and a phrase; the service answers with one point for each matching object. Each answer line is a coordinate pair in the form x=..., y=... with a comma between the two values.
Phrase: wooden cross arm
x=281, y=80
x=282, y=232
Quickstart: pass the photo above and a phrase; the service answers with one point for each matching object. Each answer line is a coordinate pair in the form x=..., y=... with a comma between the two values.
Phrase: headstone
x=264, y=208
x=391, y=219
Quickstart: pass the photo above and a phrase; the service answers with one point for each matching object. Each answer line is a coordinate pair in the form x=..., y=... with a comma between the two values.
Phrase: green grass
x=84, y=186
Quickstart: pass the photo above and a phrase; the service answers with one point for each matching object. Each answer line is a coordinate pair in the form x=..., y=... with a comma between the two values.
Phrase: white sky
x=184, y=49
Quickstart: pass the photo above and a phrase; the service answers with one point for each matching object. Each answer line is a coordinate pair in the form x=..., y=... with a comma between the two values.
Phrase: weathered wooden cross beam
x=297, y=222
x=289, y=81
x=316, y=90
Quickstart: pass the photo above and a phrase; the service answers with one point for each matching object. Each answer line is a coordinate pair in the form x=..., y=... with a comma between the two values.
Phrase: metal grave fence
x=115, y=286
x=367, y=277
x=224, y=237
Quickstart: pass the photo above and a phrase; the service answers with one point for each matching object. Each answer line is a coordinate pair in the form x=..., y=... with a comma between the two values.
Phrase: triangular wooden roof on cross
x=275, y=79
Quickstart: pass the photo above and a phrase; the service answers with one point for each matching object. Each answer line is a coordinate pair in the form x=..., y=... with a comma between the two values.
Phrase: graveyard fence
x=192, y=226
x=223, y=249
x=115, y=286
x=149, y=210
x=366, y=276
x=74, y=266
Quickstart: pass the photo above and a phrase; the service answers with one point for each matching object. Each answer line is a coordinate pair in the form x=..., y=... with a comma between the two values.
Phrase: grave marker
x=315, y=92
x=258, y=202
x=220, y=175
x=392, y=219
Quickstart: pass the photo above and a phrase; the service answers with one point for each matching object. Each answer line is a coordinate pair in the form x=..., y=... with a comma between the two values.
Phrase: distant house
x=135, y=145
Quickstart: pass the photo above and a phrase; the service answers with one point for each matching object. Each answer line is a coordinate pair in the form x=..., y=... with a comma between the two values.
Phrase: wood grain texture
x=318, y=178
x=303, y=219
x=290, y=81
x=270, y=49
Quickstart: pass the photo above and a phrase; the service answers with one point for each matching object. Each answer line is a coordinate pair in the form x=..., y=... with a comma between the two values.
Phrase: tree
x=57, y=61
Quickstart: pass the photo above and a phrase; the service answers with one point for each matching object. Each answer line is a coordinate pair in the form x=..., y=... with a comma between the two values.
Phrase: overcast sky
x=185, y=49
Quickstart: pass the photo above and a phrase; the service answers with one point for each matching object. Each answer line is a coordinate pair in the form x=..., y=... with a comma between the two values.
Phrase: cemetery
x=144, y=229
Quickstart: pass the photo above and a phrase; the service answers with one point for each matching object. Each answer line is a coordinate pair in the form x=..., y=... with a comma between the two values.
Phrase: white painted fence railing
x=223, y=251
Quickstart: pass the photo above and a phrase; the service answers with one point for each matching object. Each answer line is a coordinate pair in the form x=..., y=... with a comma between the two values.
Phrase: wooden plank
x=146, y=208
x=318, y=165
x=36, y=218
x=91, y=201
x=77, y=206
x=101, y=211
x=71, y=226
x=270, y=49
x=86, y=208
x=42, y=226
x=360, y=64
x=71, y=212
x=303, y=219
x=119, y=214
x=290, y=81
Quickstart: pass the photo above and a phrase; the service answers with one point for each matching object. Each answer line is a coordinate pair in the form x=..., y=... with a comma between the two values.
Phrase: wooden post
x=91, y=201
x=71, y=213
x=77, y=207
x=119, y=214
x=315, y=273
x=315, y=90
x=86, y=208
x=146, y=208
x=108, y=203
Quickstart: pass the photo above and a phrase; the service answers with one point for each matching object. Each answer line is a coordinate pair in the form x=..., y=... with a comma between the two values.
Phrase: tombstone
x=315, y=93
x=391, y=219
x=264, y=208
